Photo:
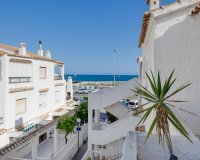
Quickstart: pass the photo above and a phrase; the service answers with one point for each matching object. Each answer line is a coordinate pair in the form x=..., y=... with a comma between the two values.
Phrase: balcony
x=58, y=78
x=19, y=80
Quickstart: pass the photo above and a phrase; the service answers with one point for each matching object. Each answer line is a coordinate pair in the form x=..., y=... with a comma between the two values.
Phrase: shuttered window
x=57, y=96
x=43, y=73
x=20, y=106
x=42, y=99
x=17, y=69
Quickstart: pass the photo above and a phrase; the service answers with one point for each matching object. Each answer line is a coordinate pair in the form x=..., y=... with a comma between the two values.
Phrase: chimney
x=48, y=54
x=40, y=50
x=153, y=4
x=22, y=49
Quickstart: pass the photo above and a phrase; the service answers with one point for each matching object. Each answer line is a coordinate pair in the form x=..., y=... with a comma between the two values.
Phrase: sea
x=99, y=78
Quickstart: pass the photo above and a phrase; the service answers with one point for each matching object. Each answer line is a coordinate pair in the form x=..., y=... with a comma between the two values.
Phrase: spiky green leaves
x=158, y=100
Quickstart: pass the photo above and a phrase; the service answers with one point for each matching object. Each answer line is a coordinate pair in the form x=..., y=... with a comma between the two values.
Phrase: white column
x=90, y=124
x=34, y=148
x=97, y=116
x=55, y=143
x=63, y=71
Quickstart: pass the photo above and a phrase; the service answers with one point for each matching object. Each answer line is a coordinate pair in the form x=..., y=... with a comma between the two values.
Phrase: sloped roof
x=145, y=25
x=163, y=10
x=196, y=10
x=14, y=52
x=2, y=53
x=148, y=1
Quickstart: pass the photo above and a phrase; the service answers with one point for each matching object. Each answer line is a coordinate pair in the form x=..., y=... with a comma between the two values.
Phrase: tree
x=159, y=101
x=82, y=112
x=66, y=124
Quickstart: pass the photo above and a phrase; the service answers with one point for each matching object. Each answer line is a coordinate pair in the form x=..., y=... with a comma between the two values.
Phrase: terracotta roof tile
x=10, y=147
x=59, y=84
x=59, y=110
x=44, y=90
x=2, y=53
x=145, y=25
x=196, y=10
x=29, y=55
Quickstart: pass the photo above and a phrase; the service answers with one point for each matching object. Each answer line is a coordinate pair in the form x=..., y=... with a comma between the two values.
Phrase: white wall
x=33, y=109
x=3, y=80
x=177, y=46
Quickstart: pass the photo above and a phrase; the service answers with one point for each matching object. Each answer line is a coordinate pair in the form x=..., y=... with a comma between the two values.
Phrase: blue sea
x=99, y=78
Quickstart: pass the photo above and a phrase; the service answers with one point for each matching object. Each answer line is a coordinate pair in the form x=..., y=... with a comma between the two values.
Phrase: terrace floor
x=183, y=149
x=45, y=149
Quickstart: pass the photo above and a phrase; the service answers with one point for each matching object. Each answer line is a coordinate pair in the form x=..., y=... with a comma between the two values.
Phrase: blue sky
x=82, y=33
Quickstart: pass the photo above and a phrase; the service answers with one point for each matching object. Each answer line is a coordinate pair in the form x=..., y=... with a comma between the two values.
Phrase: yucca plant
x=159, y=100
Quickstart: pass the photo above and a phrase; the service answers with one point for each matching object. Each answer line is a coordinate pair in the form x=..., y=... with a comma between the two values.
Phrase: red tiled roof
x=59, y=110
x=29, y=55
x=145, y=25
x=196, y=10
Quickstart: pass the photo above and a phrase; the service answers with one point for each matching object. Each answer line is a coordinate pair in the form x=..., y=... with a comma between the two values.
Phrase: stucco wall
x=2, y=87
x=177, y=46
x=148, y=62
x=33, y=109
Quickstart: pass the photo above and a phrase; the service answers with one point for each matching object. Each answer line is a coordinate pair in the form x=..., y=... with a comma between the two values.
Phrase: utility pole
x=114, y=68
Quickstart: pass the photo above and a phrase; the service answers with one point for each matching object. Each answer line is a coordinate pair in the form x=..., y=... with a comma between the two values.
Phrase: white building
x=105, y=140
x=32, y=91
x=170, y=39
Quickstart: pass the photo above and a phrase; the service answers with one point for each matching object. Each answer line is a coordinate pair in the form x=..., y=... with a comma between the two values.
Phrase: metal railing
x=58, y=77
x=19, y=79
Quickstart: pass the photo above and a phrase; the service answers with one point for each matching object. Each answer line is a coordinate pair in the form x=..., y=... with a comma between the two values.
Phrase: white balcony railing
x=19, y=79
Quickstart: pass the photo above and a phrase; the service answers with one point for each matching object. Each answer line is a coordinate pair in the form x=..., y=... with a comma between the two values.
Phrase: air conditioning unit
x=1, y=120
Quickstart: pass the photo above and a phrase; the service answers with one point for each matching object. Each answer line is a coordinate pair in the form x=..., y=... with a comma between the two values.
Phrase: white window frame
x=17, y=113
x=42, y=104
x=57, y=98
x=45, y=73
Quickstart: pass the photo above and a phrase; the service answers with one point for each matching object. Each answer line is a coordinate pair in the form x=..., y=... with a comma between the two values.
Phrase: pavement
x=79, y=155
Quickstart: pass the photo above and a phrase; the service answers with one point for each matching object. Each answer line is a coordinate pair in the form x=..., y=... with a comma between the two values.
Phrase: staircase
x=114, y=131
x=108, y=97
x=118, y=110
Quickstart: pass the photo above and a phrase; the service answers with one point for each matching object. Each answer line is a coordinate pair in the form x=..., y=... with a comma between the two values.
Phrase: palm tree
x=159, y=100
x=66, y=124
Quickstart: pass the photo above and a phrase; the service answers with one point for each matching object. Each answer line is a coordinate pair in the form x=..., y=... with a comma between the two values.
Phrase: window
x=43, y=99
x=43, y=72
x=43, y=137
x=20, y=72
x=1, y=120
x=20, y=106
x=57, y=96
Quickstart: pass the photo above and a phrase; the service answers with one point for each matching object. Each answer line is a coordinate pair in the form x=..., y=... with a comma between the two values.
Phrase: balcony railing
x=58, y=77
x=19, y=79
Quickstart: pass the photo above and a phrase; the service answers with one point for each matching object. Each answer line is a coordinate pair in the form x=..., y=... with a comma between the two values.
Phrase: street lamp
x=114, y=61
x=78, y=129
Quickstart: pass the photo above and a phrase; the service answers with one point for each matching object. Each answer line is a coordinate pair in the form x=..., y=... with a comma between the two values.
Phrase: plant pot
x=173, y=157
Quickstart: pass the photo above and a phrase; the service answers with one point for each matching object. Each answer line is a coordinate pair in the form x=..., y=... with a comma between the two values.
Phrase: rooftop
x=14, y=52
x=165, y=10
